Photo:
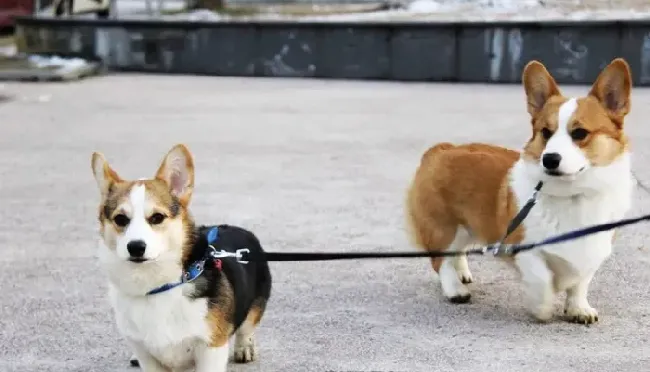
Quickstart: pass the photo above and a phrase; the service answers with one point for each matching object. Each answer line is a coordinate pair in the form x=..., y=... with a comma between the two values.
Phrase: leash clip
x=499, y=250
x=238, y=254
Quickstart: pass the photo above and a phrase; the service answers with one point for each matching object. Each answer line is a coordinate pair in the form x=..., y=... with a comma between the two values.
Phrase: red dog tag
x=217, y=264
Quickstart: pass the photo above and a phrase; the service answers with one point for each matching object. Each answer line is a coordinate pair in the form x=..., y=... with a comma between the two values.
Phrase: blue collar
x=195, y=270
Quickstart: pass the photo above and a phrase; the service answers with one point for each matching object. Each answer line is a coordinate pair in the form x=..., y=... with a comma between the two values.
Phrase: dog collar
x=196, y=269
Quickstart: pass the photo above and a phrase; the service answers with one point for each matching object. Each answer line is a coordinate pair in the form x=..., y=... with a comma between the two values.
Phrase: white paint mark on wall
x=497, y=44
x=75, y=41
x=573, y=56
x=278, y=65
x=515, y=50
x=645, y=59
x=102, y=44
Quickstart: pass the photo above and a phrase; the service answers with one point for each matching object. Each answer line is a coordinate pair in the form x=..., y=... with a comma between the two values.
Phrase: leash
x=497, y=249
x=244, y=256
x=494, y=248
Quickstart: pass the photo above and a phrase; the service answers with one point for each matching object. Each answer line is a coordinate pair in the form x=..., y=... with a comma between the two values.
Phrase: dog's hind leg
x=438, y=235
x=462, y=268
x=245, y=345
x=454, y=271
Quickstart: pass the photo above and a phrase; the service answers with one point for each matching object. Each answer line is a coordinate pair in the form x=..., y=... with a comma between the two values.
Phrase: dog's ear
x=612, y=88
x=104, y=175
x=177, y=170
x=539, y=86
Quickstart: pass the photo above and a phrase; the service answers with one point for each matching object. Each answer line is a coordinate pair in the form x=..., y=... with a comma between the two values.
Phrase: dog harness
x=196, y=269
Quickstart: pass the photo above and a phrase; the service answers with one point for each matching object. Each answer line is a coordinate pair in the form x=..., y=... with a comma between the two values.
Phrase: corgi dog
x=468, y=193
x=175, y=302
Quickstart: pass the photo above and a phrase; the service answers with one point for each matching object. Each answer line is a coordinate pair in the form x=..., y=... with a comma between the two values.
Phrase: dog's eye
x=579, y=134
x=546, y=133
x=156, y=218
x=121, y=220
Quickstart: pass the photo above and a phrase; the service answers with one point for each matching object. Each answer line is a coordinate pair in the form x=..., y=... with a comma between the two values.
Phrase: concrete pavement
x=310, y=166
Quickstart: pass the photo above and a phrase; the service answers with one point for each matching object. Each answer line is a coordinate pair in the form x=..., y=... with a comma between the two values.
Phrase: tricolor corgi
x=467, y=194
x=175, y=303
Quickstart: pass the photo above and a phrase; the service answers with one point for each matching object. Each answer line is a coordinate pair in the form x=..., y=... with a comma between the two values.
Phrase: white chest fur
x=601, y=197
x=168, y=325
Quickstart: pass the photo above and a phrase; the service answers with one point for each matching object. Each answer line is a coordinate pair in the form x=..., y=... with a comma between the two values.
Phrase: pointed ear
x=539, y=86
x=613, y=87
x=177, y=170
x=104, y=175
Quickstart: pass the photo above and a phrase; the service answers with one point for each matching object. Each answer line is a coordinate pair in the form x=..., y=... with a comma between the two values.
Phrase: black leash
x=518, y=219
x=498, y=249
x=495, y=248
x=503, y=249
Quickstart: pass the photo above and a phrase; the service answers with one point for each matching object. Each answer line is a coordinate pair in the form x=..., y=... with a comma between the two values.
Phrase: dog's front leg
x=211, y=358
x=538, y=281
x=147, y=362
x=577, y=308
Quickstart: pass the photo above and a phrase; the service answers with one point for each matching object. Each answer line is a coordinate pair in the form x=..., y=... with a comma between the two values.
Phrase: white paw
x=462, y=268
x=583, y=315
x=245, y=351
x=456, y=292
x=465, y=276
x=452, y=287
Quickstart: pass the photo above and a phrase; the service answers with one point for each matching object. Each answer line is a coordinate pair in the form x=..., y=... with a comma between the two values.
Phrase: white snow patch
x=423, y=6
x=8, y=51
x=63, y=64
x=447, y=10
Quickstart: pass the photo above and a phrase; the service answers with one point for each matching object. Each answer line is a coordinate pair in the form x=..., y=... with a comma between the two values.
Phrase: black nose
x=136, y=248
x=551, y=160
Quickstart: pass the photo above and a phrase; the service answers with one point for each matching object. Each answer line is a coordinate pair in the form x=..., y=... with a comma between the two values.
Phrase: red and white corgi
x=466, y=194
x=174, y=302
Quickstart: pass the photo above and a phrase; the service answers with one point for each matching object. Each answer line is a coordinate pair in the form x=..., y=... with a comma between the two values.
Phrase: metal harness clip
x=500, y=250
x=238, y=254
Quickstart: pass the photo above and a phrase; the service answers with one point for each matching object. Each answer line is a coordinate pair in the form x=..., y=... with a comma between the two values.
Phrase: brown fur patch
x=606, y=139
x=115, y=196
x=218, y=317
x=461, y=185
x=547, y=117
x=165, y=202
x=169, y=169
x=255, y=314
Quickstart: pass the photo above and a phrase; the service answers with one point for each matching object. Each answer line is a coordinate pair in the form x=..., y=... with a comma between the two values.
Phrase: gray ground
x=309, y=166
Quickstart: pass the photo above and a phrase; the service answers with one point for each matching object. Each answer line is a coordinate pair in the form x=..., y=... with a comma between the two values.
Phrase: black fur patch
x=250, y=283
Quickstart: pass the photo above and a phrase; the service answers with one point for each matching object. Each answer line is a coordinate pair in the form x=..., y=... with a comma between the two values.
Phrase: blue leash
x=577, y=234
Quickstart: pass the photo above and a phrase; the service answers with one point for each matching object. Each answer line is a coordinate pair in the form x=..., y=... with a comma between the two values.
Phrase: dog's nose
x=136, y=248
x=551, y=160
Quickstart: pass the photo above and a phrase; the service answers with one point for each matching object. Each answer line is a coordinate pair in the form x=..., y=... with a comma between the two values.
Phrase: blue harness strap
x=194, y=271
